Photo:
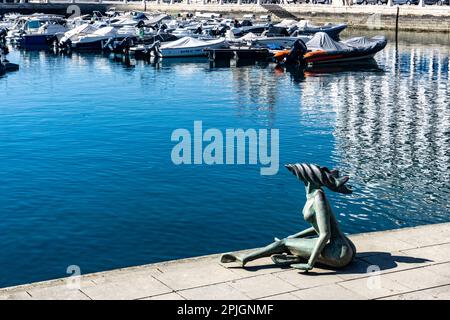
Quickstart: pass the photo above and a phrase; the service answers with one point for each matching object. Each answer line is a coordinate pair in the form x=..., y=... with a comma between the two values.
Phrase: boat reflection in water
x=391, y=134
x=301, y=73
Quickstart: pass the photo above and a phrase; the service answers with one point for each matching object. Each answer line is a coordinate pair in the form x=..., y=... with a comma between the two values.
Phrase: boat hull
x=194, y=51
x=339, y=59
x=187, y=52
x=94, y=45
x=35, y=41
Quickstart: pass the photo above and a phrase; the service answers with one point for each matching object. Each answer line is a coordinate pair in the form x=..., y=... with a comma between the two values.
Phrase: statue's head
x=317, y=176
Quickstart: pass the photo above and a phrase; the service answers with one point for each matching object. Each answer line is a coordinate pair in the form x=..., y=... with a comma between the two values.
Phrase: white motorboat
x=189, y=47
x=40, y=31
x=75, y=34
x=254, y=40
x=9, y=20
x=94, y=40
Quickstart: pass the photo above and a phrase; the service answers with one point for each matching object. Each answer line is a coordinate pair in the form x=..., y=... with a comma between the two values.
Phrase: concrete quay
x=376, y=17
x=409, y=263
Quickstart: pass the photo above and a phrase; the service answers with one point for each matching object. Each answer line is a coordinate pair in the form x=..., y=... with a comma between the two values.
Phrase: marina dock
x=372, y=17
x=409, y=263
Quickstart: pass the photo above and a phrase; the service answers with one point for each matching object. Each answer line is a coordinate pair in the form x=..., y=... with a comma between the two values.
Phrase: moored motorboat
x=189, y=47
x=305, y=27
x=97, y=39
x=142, y=50
x=40, y=31
x=76, y=33
x=322, y=49
x=94, y=40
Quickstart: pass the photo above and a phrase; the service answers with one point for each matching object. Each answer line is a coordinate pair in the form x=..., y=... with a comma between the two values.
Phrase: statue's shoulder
x=320, y=192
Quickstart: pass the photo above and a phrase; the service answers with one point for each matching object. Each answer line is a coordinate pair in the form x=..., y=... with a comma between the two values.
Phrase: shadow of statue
x=379, y=261
x=369, y=262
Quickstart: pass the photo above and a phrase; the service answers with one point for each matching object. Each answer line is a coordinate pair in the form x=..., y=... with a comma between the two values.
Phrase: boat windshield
x=34, y=24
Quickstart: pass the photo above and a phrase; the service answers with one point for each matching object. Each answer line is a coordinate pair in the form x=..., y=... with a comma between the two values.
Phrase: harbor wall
x=376, y=17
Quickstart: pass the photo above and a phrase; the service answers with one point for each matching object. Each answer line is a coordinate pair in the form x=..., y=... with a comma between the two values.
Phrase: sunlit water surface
x=86, y=176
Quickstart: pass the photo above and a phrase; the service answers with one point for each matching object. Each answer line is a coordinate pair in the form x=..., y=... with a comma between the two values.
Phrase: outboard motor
x=153, y=48
x=65, y=46
x=3, y=33
x=118, y=46
x=246, y=23
x=293, y=29
x=125, y=45
x=140, y=24
x=108, y=45
x=297, y=52
x=3, y=47
x=198, y=30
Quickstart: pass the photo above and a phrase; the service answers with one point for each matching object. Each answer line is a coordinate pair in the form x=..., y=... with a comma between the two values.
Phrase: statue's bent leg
x=301, y=247
x=274, y=248
x=285, y=259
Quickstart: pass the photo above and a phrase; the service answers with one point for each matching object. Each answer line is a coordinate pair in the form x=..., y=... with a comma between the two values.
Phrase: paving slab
x=418, y=279
x=221, y=291
x=283, y=296
x=167, y=296
x=190, y=275
x=439, y=293
x=396, y=261
x=328, y=292
x=376, y=286
x=376, y=242
x=262, y=286
x=22, y=295
x=436, y=253
x=357, y=269
x=442, y=269
x=425, y=236
x=126, y=287
x=314, y=278
x=60, y=292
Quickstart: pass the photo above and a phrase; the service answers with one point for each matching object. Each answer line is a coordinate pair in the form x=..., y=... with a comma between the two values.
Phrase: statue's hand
x=276, y=239
x=302, y=266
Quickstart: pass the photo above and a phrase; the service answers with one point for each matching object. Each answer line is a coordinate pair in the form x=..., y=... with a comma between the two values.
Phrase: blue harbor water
x=86, y=176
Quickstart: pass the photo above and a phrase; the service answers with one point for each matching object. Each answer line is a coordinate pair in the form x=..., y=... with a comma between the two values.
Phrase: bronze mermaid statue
x=322, y=243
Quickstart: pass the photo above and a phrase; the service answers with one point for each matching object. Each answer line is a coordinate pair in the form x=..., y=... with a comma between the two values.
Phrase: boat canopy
x=248, y=36
x=105, y=31
x=322, y=48
x=83, y=29
x=366, y=43
x=157, y=19
x=286, y=23
x=189, y=42
x=322, y=41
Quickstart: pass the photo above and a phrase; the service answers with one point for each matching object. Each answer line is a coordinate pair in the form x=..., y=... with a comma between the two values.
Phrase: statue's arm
x=323, y=225
x=305, y=233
